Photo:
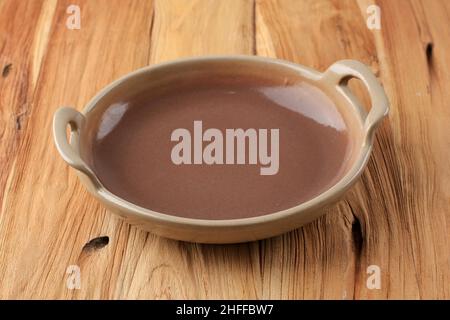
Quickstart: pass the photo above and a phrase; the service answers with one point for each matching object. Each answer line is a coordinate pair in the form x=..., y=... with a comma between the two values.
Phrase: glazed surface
x=132, y=147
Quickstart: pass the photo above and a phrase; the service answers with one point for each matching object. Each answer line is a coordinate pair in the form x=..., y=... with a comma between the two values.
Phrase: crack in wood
x=254, y=48
x=357, y=246
x=96, y=243
x=261, y=258
x=357, y=235
x=150, y=33
x=429, y=52
x=18, y=124
x=19, y=119
x=6, y=70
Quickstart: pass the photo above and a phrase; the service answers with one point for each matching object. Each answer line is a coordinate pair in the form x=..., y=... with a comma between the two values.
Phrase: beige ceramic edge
x=236, y=230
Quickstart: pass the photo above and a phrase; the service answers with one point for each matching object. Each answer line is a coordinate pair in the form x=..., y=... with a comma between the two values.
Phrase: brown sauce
x=132, y=149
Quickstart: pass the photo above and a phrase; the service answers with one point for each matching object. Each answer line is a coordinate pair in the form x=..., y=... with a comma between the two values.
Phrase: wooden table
x=396, y=217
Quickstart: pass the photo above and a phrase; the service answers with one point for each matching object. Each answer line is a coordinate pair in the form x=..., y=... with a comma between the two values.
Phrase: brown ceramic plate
x=160, y=146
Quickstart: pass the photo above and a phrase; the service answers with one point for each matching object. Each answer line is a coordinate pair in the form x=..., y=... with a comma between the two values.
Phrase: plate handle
x=341, y=72
x=63, y=117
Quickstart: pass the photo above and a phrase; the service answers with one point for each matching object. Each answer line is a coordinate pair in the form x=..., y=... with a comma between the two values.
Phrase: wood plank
x=418, y=212
x=18, y=70
x=201, y=27
x=55, y=215
x=316, y=34
x=21, y=49
x=170, y=269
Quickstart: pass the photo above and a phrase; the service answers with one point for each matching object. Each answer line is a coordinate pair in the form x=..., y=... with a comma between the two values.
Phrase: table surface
x=396, y=217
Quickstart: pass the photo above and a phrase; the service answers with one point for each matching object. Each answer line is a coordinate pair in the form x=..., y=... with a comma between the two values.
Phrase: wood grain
x=396, y=217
